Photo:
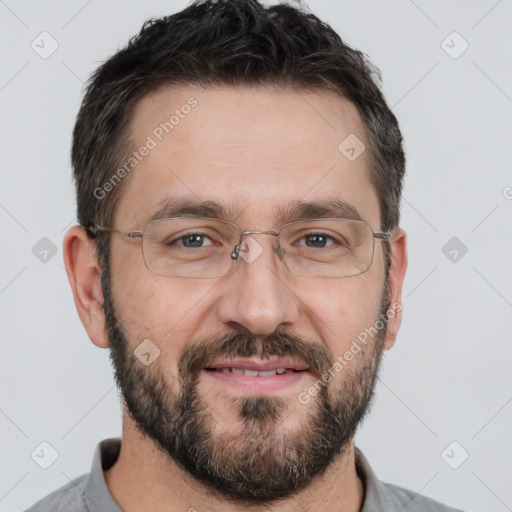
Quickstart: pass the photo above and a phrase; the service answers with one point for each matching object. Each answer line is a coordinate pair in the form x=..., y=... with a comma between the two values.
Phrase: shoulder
x=68, y=498
x=411, y=501
x=381, y=495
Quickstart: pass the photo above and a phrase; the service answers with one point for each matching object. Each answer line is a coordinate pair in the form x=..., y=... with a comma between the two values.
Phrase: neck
x=145, y=478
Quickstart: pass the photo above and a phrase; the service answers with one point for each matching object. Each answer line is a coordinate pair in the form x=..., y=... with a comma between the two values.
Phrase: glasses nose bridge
x=236, y=250
x=253, y=231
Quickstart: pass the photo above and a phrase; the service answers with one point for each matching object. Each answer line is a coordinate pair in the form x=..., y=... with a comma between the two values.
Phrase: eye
x=191, y=240
x=318, y=240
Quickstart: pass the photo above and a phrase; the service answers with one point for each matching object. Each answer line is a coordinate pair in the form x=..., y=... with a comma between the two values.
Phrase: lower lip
x=257, y=384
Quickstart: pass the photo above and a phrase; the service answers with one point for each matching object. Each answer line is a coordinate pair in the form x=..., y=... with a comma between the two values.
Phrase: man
x=238, y=180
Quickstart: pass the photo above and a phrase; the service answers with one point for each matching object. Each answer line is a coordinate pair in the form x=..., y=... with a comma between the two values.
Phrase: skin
x=256, y=149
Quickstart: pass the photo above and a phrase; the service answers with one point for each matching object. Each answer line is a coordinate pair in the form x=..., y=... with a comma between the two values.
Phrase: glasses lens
x=327, y=248
x=189, y=247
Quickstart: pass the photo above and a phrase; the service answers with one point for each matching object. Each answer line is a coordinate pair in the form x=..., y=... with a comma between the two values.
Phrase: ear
x=84, y=276
x=398, y=247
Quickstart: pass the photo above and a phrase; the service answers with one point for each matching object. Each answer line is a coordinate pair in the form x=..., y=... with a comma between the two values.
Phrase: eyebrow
x=295, y=210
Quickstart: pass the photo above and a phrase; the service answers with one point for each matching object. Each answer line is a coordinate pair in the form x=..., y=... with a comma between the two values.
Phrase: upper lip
x=258, y=364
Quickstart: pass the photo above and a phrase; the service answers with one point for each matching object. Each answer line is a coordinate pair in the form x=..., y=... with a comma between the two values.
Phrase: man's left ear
x=398, y=248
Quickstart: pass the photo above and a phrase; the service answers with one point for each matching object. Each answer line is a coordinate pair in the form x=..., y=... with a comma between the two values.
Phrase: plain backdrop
x=445, y=388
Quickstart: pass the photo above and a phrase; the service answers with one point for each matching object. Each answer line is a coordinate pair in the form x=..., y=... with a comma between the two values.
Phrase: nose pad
x=235, y=251
x=249, y=249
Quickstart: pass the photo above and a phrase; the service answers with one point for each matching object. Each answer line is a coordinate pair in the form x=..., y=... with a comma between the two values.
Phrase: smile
x=254, y=373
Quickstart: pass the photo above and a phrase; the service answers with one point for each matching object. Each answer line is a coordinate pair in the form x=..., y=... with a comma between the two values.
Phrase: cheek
x=164, y=310
x=342, y=310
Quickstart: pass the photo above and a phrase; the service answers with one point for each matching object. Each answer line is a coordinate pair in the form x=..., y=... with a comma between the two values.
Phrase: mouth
x=256, y=376
x=253, y=373
x=257, y=367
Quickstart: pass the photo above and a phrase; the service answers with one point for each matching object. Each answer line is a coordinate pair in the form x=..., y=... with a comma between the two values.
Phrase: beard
x=255, y=460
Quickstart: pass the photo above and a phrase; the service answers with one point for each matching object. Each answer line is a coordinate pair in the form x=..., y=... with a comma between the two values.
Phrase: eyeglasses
x=202, y=247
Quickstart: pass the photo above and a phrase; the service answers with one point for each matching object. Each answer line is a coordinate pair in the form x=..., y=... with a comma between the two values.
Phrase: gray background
x=447, y=378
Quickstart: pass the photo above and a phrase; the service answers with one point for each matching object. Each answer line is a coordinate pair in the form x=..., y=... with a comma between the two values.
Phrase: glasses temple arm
x=94, y=228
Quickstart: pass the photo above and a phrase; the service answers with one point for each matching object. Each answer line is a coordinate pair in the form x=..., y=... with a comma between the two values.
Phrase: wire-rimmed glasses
x=203, y=247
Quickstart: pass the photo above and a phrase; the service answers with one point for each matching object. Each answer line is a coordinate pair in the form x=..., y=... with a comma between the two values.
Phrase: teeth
x=254, y=373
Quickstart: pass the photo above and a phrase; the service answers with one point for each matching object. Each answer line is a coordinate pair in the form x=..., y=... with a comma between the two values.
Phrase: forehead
x=255, y=151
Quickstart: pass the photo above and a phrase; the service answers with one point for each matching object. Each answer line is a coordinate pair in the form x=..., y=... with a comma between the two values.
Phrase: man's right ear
x=84, y=276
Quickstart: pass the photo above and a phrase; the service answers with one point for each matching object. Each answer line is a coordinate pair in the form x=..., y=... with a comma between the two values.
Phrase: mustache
x=202, y=352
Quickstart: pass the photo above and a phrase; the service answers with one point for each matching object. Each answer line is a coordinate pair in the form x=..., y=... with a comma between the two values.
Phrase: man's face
x=256, y=151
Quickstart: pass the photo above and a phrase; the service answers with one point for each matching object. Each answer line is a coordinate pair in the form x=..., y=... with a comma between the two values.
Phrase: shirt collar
x=375, y=491
x=96, y=490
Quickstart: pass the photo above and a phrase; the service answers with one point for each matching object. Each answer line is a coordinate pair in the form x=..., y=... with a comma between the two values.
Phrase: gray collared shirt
x=89, y=492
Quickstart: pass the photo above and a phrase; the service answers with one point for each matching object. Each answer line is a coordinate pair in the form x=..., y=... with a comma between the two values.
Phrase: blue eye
x=190, y=240
x=319, y=240
x=193, y=240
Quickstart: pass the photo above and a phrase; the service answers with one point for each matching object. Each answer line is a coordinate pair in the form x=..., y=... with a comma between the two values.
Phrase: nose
x=257, y=295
